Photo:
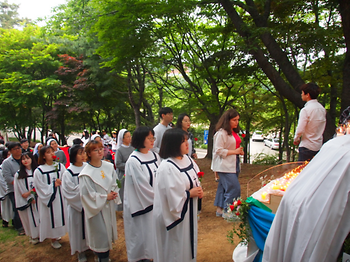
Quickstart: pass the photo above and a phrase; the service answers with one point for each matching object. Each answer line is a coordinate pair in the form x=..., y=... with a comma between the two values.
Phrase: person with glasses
x=140, y=172
x=98, y=187
x=51, y=205
x=10, y=166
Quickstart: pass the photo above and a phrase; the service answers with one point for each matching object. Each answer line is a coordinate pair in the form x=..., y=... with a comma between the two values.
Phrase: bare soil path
x=212, y=231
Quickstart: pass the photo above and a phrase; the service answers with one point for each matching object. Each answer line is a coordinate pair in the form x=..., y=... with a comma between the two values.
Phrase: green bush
x=264, y=159
x=204, y=146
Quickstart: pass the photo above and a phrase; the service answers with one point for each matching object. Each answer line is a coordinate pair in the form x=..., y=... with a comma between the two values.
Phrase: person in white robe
x=25, y=197
x=51, y=205
x=75, y=212
x=313, y=218
x=176, y=193
x=98, y=183
x=140, y=172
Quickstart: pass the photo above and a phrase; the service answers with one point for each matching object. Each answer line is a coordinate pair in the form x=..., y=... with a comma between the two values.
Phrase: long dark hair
x=179, y=120
x=22, y=173
x=43, y=150
x=224, y=122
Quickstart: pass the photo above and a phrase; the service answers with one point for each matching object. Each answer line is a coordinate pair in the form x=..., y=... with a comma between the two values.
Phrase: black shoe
x=5, y=223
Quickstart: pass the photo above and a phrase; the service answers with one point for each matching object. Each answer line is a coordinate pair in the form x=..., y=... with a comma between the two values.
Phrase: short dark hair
x=22, y=173
x=312, y=89
x=92, y=145
x=23, y=141
x=77, y=141
x=12, y=145
x=5, y=152
x=224, y=121
x=2, y=141
x=43, y=150
x=179, y=120
x=171, y=143
x=139, y=136
x=164, y=111
x=74, y=151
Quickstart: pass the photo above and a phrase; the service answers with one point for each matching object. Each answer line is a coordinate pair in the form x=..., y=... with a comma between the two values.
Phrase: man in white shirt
x=311, y=124
x=166, y=115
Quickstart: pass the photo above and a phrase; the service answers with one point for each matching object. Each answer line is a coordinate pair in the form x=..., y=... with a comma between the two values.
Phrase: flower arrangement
x=238, y=212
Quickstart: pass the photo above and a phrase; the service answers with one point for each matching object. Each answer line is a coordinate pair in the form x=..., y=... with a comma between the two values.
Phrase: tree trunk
x=344, y=7
x=212, y=125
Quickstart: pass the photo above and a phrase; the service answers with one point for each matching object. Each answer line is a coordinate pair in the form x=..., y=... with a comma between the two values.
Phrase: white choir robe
x=6, y=205
x=27, y=212
x=51, y=205
x=140, y=172
x=313, y=218
x=174, y=210
x=101, y=224
x=76, y=220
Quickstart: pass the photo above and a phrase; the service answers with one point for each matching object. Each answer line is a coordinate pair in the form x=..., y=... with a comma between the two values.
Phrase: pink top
x=238, y=139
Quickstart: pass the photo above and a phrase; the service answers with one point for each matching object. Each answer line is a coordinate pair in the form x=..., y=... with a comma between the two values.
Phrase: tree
x=27, y=80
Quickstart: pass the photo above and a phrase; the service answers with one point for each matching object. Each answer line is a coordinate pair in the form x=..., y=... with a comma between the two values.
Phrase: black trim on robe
x=53, y=196
x=149, y=169
x=184, y=209
x=142, y=212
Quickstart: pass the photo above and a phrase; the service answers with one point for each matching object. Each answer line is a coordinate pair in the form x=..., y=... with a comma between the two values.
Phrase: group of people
x=157, y=189
x=155, y=183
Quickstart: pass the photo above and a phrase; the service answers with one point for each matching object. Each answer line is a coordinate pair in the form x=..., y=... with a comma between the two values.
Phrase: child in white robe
x=51, y=205
x=97, y=182
x=140, y=172
x=71, y=192
x=176, y=194
x=26, y=198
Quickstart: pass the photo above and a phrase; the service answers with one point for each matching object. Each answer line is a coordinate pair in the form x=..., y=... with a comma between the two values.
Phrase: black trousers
x=16, y=220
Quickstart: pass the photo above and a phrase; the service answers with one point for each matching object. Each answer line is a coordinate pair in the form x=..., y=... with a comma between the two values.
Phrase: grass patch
x=7, y=234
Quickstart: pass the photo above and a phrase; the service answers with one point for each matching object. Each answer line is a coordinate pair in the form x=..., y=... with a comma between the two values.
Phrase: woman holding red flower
x=25, y=197
x=226, y=152
x=176, y=194
x=51, y=205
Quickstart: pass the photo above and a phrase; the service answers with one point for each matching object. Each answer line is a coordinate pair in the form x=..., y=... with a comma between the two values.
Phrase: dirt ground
x=212, y=241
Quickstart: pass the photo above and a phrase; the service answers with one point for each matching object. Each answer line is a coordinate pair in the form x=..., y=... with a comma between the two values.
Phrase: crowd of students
x=153, y=180
x=156, y=187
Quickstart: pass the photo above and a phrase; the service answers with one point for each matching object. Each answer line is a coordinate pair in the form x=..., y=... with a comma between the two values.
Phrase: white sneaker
x=34, y=241
x=56, y=245
x=82, y=257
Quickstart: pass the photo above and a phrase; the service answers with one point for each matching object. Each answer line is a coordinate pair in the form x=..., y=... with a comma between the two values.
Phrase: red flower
x=239, y=202
x=232, y=207
x=54, y=157
x=200, y=174
x=58, y=158
x=243, y=135
x=195, y=139
x=237, y=213
x=33, y=189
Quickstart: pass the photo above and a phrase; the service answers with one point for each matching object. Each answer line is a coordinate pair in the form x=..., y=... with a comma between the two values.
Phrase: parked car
x=273, y=143
x=258, y=136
